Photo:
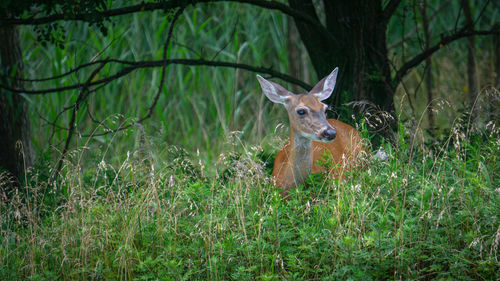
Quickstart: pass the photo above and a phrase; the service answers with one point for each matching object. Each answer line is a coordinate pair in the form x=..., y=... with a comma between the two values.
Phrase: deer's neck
x=300, y=157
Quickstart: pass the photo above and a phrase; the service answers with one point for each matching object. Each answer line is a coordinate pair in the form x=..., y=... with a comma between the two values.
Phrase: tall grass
x=198, y=107
x=423, y=214
x=187, y=194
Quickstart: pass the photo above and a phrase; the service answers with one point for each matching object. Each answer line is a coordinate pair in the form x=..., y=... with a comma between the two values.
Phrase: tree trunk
x=15, y=140
x=428, y=74
x=472, y=79
x=494, y=97
x=355, y=41
x=496, y=45
x=293, y=52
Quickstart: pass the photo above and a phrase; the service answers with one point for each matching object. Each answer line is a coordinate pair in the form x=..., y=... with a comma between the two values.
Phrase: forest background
x=134, y=168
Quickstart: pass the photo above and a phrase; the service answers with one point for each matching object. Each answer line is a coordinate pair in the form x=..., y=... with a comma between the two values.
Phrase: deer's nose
x=329, y=134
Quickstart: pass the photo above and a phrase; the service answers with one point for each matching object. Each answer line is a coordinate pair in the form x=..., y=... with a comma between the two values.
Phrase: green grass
x=423, y=214
x=198, y=107
x=188, y=195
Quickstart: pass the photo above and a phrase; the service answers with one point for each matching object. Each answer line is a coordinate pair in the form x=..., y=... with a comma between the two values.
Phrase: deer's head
x=305, y=111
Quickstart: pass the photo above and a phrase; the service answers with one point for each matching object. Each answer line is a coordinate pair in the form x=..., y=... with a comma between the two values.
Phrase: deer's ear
x=324, y=88
x=273, y=91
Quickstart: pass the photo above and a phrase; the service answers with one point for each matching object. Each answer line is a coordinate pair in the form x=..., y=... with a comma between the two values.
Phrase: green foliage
x=183, y=199
x=449, y=64
x=423, y=214
x=198, y=106
x=55, y=32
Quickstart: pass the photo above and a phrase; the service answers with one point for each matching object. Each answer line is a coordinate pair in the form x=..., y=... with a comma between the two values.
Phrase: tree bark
x=472, y=80
x=355, y=42
x=428, y=74
x=15, y=140
x=494, y=98
x=293, y=52
x=496, y=45
x=317, y=43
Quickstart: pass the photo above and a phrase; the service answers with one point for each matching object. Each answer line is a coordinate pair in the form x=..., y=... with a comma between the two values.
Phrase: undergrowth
x=424, y=214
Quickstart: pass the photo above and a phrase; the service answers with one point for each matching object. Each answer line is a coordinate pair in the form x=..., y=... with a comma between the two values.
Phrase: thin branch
x=49, y=123
x=134, y=65
x=457, y=19
x=92, y=118
x=415, y=30
x=162, y=81
x=390, y=9
x=163, y=5
x=235, y=26
x=55, y=121
x=72, y=125
x=74, y=70
x=168, y=5
x=481, y=13
x=189, y=48
x=163, y=69
x=415, y=14
x=265, y=70
x=117, y=75
x=445, y=40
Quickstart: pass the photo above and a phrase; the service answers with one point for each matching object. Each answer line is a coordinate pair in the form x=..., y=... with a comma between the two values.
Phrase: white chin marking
x=326, y=140
x=314, y=138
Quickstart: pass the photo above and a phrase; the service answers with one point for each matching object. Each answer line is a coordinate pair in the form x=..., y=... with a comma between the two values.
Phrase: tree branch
x=415, y=30
x=132, y=65
x=162, y=5
x=72, y=123
x=445, y=40
x=163, y=69
x=74, y=70
x=86, y=92
x=390, y=8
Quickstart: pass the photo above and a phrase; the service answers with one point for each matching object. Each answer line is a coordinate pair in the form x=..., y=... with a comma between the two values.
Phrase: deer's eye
x=301, y=112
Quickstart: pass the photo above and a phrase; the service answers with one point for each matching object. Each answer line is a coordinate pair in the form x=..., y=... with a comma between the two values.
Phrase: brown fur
x=311, y=134
x=311, y=102
x=348, y=143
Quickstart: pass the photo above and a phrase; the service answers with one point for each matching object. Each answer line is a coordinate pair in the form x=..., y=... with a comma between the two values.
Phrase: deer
x=311, y=135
